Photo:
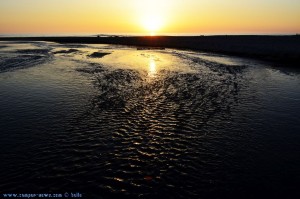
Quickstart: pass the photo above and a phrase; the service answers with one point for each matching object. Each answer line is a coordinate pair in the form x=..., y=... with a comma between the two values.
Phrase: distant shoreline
x=276, y=49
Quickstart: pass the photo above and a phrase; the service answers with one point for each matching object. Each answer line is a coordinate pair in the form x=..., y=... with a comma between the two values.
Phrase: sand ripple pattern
x=219, y=130
x=154, y=129
x=23, y=58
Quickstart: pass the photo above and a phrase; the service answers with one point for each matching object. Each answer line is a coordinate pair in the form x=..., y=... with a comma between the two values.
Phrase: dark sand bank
x=279, y=49
x=98, y=54
x=66, y=51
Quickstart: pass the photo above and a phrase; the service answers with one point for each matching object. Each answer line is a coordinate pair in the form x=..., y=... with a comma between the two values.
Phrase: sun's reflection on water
x=152, y=68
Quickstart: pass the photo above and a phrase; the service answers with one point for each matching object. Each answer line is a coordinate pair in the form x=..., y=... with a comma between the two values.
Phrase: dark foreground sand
x=278, y=49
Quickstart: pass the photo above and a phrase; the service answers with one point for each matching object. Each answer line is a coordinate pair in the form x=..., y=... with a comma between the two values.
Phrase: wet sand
x=146, y=123
x=277, y=49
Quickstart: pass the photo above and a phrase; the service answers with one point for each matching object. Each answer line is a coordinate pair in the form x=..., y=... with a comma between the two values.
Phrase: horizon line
x=139, y=34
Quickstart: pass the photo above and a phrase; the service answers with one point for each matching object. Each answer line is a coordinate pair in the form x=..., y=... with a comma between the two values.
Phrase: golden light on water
x=152, y=68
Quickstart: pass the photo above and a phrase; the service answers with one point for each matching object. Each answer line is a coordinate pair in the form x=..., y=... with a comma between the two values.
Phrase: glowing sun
x=152, y=24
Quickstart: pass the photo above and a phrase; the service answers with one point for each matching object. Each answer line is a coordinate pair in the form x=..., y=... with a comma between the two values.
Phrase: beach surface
x=276, y=49
x=111, y=121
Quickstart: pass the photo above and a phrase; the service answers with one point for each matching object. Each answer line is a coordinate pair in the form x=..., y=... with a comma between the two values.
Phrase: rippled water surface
x=115, y=122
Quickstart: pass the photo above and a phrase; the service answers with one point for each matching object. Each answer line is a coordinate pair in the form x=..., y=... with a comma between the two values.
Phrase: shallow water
x=145, y=124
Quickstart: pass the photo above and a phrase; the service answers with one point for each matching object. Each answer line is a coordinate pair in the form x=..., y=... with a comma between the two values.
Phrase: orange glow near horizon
x=150, y=17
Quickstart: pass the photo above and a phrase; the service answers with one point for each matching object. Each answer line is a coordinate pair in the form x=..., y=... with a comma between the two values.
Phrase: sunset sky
x=150, y=16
